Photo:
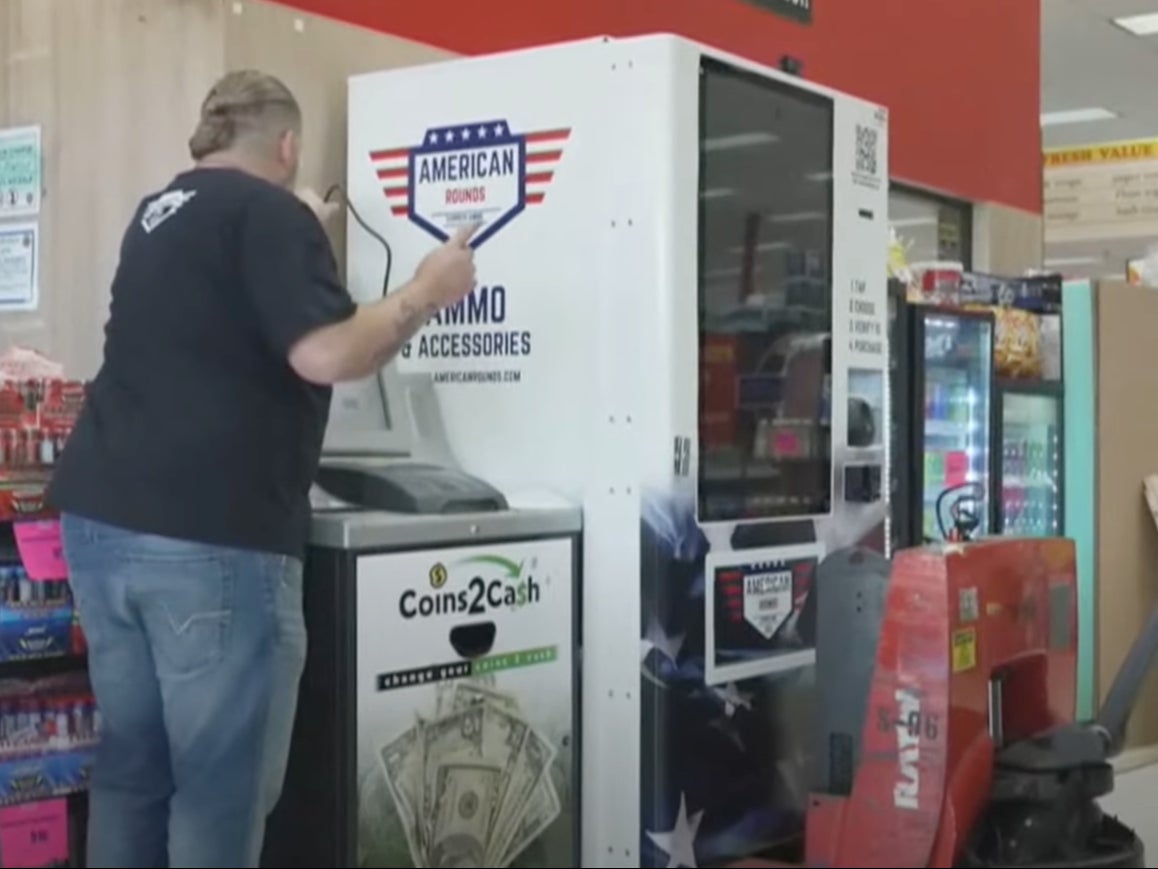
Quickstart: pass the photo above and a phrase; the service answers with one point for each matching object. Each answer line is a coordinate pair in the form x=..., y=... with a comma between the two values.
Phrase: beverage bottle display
x=934, y=401
x=1030, y=486
x=960, y=411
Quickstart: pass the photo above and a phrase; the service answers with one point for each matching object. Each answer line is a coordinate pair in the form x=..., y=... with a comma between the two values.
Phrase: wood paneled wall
x=113, y=83
x=1127, y=435
x=116, y=85
x=315, y=57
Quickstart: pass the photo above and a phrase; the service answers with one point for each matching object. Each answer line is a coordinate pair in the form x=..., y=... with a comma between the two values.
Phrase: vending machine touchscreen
x=765, y=299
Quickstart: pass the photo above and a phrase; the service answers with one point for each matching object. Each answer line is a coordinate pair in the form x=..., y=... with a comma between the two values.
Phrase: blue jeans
x=195, y=655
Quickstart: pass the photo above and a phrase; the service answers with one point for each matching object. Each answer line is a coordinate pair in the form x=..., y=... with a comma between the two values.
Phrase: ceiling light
x=1139, y=25
x=727, y=272
x=913, y=221
x=1061, y=261
x=798, y=217
x=740, y=140
x=718, y=193
x=1076, y=116
x=762, y=247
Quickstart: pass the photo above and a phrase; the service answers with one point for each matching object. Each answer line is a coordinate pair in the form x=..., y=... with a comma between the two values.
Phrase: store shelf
x=49, y=723
x=57, y=773
x=22, y=493
x=1031, y=459
x=48, y=732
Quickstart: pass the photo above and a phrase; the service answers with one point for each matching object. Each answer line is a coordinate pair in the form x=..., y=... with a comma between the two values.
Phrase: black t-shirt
x=196, y=426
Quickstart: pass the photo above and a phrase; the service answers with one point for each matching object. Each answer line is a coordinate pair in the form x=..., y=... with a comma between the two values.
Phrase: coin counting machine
x=381, y=506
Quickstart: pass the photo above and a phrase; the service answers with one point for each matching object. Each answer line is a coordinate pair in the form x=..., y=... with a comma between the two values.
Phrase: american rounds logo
x=478, y=171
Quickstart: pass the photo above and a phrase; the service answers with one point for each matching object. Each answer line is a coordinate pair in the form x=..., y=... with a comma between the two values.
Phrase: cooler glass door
x=1031, y=463
x=901, y=421
x=956, y=424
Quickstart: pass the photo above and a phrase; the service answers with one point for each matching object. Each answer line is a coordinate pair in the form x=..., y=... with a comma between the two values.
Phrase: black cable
x=336, y=190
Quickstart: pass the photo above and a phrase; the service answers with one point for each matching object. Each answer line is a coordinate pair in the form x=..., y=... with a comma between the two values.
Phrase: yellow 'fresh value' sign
x=1110, y=152
x=1101, y=191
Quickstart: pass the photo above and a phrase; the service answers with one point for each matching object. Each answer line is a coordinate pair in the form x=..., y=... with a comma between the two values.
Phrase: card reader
x=409, y=487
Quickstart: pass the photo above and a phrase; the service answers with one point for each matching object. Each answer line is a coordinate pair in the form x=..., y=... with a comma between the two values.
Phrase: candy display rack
x=48, y=718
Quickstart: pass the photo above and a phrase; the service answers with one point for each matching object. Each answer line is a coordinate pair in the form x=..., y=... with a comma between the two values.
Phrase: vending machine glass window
x=1031, y=464
x=765, y=297
x=958, y=369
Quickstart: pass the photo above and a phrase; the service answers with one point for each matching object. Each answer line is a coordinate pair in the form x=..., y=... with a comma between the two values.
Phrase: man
x=184, y=488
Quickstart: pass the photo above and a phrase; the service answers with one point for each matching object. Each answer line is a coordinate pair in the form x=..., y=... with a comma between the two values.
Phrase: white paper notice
x=19, y=261
x=20, y=176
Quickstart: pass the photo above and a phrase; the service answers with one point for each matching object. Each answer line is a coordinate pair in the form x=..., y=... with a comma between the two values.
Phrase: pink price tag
x=786, y=444
x=956, y=468
x=41, y=550
x=34, y=834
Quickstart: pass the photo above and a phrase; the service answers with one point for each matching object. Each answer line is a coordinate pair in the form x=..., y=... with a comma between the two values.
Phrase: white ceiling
x=1088, y=62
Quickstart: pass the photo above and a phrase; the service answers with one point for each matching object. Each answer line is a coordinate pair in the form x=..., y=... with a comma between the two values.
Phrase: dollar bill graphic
x=473, y=694
x=540, y=813
x=445, y=695
x=456, y=736
x=472, y=786
x=402, y=761
x=504, y=737
x=534, y=763
x=466, y=793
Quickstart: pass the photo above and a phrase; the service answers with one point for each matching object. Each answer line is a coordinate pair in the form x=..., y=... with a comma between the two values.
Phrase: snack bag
x=1017, y=348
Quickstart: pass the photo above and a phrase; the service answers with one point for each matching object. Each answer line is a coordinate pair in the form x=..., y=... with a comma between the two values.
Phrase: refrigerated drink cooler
x=943, y=432
x=1030, y=471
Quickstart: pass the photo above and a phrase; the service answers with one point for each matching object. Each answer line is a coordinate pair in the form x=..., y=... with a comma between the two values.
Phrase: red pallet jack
x=965, y=751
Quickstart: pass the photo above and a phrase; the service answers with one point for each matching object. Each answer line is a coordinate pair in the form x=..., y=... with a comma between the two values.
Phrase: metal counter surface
x=370, y=530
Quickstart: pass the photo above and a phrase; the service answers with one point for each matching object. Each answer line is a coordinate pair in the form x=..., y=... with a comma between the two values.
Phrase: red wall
x=961, y=79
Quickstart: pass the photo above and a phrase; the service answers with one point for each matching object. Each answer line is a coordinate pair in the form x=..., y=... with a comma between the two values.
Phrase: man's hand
x=447, y=273
x=323, y=210
x=359, y=346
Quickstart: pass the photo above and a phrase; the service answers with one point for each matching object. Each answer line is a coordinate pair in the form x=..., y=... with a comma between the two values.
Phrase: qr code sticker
x=866, y=150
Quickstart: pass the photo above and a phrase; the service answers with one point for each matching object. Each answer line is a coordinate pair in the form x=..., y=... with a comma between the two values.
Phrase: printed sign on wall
x=1106, y=191
x=20, y=161
x=19, y=264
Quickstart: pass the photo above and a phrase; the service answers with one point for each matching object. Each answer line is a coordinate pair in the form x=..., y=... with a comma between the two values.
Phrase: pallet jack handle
x=1127, y=685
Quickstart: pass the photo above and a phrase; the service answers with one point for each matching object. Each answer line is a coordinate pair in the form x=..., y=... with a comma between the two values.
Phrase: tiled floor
x=1135, y=802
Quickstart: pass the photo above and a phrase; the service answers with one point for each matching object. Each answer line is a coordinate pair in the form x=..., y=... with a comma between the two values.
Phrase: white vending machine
x=681, y=327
